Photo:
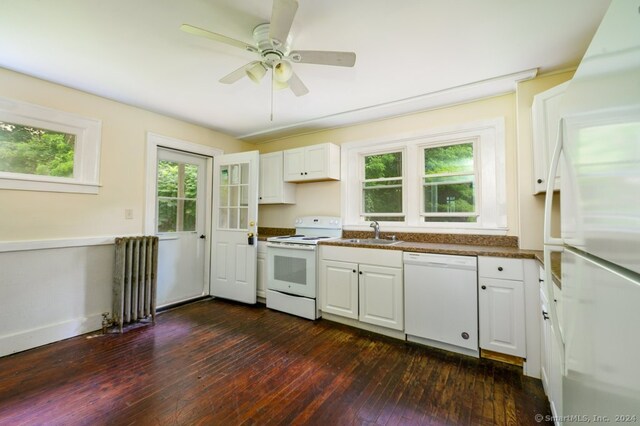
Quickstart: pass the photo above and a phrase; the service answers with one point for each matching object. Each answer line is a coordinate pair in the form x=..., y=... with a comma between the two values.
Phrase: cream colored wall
x=531, y=207
x=31, y=215
x=324, y=197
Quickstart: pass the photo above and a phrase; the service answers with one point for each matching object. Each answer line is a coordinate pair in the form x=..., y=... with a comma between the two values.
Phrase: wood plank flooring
x=221, y=363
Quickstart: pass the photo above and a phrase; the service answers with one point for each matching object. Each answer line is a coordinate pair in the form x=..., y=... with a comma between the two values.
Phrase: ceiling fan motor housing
x=270, y=53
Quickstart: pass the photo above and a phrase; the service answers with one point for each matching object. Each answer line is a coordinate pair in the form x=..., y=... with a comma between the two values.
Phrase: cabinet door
x=381, y=296
x=545, y=121
x=339, y=288
x=270, y=187
x=294, y=165
x=502, y=327
x=315, y=162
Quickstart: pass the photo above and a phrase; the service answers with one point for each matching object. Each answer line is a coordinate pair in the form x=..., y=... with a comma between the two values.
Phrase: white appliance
x=599, y=147
x=292, y=284
x=441, y=301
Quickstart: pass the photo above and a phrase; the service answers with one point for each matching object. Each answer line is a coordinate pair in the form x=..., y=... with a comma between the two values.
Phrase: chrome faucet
x=376, y=229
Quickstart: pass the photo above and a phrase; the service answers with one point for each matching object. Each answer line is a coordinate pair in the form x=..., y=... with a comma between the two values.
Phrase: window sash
x=401, y=185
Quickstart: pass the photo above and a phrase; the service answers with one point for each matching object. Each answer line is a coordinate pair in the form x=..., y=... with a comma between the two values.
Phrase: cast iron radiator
x=135, y=280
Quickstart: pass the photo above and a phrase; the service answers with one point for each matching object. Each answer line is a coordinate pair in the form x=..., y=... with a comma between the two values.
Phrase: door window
x=177, y=196
x=233, y=205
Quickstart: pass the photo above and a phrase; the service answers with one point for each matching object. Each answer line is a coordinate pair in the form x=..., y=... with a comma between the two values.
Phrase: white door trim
x=155, y=141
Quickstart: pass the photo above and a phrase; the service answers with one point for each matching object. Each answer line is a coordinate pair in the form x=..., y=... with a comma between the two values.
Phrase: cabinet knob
x=484, y=287
x=301, y=173
x=539, y=181
x=545, y=316
x=500, y=268
x=465, y=335
x=354, y=271
x=360, y=272
x=540, y=280
x=305, y=173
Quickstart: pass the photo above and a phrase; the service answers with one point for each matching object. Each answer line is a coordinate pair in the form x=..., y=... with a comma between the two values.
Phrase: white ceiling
x=408, y=51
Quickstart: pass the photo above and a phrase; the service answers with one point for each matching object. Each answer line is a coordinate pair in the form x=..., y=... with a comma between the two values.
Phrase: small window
x=448, y=184
x=35, y=151
x=47, y=150
x=382, y=194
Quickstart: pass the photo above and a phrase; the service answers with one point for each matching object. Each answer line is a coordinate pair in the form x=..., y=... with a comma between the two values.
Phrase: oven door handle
x=308, y=247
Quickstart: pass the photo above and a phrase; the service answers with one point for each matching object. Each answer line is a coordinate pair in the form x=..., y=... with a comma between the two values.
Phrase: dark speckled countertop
x=455, y=244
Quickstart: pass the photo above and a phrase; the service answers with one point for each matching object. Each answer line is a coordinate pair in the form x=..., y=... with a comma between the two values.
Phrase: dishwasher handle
x=442, y=265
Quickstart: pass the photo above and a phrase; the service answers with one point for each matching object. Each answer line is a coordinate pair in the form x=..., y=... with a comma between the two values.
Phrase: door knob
x=202, y=237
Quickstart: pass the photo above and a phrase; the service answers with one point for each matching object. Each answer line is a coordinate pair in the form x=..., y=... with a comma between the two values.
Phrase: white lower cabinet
x=364, y=284
x=501, y=306
x=262, y=269
x=339, y=288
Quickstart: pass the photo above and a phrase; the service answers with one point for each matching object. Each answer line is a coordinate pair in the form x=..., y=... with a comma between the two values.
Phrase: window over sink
x=451, y=179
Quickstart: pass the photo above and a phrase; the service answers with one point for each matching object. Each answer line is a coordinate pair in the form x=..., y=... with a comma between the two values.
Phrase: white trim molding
x=489, y=150
x=9, y=246
x=86, y=163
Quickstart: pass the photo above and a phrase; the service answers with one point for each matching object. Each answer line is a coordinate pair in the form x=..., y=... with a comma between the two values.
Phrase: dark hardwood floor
x=221, y=363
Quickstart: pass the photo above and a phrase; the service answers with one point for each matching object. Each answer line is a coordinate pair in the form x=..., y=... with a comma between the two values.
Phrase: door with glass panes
x=180, y=224
x=235, y=242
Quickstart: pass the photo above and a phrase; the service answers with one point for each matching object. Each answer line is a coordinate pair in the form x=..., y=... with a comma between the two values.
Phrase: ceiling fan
x=273, y=45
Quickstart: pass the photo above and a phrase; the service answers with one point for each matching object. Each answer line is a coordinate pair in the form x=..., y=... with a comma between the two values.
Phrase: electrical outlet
x=128, y=213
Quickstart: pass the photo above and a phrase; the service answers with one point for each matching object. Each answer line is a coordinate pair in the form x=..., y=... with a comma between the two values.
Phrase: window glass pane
x=383, y=183
x=190, y=181
x=223, y=218
x=383, y=165
x=450, y=219
x=167, y=179
x=224, y=175
x=224, y=196
x=233, y=218
x=449, y=159
x=189, y=218
x=449, y=198
x=235, y=174
x=244, y=195
x=243, y=218
x=34, y=151
x=385, y=218
x=167, y=215
x=382, y=200
x=234, y=198
x=449, y=179
x=244, y=173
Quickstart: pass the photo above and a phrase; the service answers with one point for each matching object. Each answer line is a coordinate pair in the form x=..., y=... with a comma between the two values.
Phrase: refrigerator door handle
x=552, y=307
x=548, y=201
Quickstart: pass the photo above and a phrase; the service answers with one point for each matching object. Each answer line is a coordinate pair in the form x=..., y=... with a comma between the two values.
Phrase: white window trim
x=491, y=189
x=86, y=167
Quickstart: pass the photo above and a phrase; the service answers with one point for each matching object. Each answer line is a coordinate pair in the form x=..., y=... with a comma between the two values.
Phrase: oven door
x=292, y=269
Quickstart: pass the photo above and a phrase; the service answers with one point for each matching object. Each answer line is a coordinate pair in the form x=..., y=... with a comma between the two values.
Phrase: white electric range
x=292, y=284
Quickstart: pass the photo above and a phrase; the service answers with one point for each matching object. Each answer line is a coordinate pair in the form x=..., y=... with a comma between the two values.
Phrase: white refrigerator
x=599, y=150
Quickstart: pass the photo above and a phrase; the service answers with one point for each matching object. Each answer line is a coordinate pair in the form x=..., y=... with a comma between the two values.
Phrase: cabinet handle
x=484, y=287
x=354, y=271
x=539, y=181
x=305, y=173
x=465, y=335
x=301, y=173
x=360, y=272
x=545, y=316
x=500, y=268
x=540, y=280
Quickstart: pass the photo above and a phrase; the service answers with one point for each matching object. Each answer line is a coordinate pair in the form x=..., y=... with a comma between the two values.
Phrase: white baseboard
x=48, y=334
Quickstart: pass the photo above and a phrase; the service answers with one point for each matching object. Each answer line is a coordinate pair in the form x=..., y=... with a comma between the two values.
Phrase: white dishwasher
x=441, y=301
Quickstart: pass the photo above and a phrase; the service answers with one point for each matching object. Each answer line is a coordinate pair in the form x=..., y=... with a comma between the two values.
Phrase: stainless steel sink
x=372, y=241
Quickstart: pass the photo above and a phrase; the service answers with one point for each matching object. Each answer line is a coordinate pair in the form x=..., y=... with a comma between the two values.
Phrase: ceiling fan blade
x=297, y=86
x=282, y=16
x=217, y=37
x=237, y=74
x=323, y=57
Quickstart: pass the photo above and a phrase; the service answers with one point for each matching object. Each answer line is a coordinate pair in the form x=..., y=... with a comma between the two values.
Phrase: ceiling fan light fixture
x=256, y=72
x=282, y=71
x=280, y=85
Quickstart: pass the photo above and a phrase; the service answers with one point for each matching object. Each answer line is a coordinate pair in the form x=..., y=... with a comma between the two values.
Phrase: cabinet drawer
x=501, y=268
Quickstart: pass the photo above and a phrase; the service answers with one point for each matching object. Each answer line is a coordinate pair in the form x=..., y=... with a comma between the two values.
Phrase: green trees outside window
x=382, y=187
x=35, y=151
x=177, y=193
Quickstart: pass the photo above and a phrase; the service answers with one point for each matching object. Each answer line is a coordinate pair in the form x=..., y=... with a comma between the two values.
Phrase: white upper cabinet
x=272, y=187
x=545, y=121
x=312, y=163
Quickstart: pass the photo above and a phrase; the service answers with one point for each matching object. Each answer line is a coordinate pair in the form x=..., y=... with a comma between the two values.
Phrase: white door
x=235, y=243
x=180, y=224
